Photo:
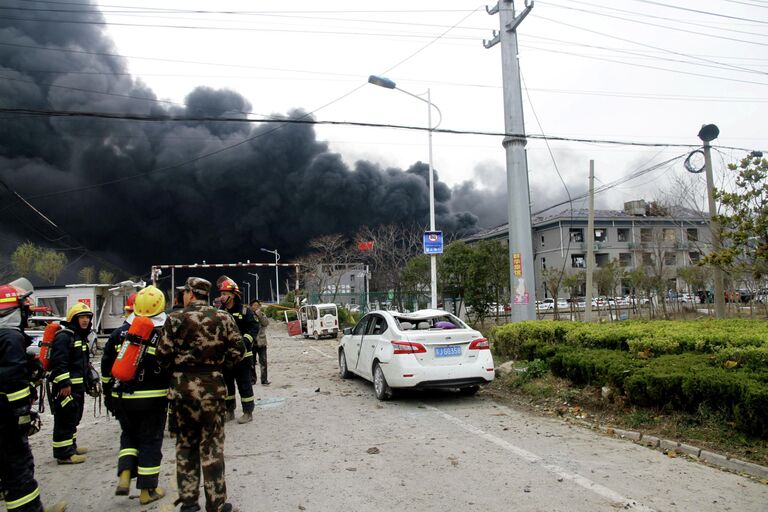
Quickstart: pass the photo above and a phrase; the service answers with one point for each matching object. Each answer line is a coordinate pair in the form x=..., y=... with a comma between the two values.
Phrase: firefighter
x=140, y=403
x=17, y=419
x=69, y=366
x=231, y=302
x=196, y=343
x=260, y=347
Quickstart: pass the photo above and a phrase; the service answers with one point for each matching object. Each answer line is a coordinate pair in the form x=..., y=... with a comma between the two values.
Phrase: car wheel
x=315, y=336
x=380, y=386
x=469, y=391
x=344, y=372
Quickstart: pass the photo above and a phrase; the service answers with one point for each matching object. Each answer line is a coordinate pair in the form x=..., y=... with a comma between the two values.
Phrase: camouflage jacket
x=261, y=338
x=196, y=344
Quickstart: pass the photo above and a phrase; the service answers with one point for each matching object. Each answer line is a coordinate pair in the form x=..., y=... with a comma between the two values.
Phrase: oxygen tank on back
x=45, y=346
x=129, y=357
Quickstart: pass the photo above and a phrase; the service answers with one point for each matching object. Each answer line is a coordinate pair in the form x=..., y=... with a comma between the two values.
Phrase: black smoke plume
x=280, y=189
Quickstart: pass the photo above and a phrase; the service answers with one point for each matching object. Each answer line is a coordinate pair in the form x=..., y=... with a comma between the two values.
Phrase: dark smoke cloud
x=279, y=190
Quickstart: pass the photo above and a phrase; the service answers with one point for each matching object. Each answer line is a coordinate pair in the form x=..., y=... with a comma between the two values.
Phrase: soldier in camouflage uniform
x=197, y=342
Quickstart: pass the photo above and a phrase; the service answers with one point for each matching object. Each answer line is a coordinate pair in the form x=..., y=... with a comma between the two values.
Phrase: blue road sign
x=433, y=242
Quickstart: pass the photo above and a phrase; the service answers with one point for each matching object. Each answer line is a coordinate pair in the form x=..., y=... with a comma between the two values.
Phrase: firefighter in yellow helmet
x=69, y=367
x=139, y=403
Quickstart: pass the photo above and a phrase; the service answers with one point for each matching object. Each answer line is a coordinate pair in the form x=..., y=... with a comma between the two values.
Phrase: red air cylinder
x=45, y=346
x=129, y=357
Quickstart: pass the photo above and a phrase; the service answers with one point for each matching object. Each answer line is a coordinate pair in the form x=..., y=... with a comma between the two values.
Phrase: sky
x=627, y=70
x=137, y=192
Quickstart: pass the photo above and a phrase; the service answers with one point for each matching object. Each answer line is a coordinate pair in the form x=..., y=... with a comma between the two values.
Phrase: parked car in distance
x=426, y=349
x=545, y=304
x=36, y=327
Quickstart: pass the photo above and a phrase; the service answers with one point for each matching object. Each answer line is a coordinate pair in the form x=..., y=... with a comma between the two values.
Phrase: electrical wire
x=638, y=43
x=636, y=13
x=697, y=11
x=557, y=170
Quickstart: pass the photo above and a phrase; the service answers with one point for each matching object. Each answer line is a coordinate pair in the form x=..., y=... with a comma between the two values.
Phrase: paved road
x=322, y=444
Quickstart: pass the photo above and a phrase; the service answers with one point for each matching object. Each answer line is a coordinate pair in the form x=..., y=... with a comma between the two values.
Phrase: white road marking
x=524, y=454
x=321, y=352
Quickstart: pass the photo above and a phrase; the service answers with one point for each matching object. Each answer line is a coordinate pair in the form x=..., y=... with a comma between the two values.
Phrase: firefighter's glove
x=30, y=423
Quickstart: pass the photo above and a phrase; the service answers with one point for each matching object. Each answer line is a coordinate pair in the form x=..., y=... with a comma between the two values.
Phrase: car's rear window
x=327, y=311
x=432, y=322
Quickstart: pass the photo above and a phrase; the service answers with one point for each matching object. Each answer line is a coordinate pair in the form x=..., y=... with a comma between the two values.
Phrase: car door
x=374, y=335
x=352, y=345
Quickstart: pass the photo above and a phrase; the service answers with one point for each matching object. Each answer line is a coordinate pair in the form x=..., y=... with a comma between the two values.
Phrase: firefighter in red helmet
x=17, y=419
x=231, y=301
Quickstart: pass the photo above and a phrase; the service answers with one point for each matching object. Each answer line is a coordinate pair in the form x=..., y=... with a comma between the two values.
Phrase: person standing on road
x=196, y=343
x=231, y=302
x=260, y=348
x=140, y=403
x=69, y=366
x=17, y=419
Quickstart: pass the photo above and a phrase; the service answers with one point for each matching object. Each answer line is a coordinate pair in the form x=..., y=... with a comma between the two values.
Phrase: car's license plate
x=450, y=350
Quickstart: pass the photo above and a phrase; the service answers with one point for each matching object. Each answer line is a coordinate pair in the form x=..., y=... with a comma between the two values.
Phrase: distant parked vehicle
x=318, y=320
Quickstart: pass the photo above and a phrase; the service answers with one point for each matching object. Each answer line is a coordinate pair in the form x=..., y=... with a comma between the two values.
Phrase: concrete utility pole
x=521, y=279
x=707, y=134
x=589, y=239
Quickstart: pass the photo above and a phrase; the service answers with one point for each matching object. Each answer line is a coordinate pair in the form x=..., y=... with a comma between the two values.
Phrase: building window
x=601, y=235
x=670, y=259
x=647, y=258
x=670, y=234
x=351, y=289
x=625, y=259
x=646, y=234
x=542, y=240
x=544, y=263
x=578, y=261
x=692, y=234
x=695, y=256
x=622, y=234
x=352, y=278
x=577, y=234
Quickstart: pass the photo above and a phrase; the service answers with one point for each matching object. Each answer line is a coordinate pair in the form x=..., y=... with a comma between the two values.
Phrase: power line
x=647, y=66
x=209, y=119
x=634, y=41
x=697, y=11
x=645, y=15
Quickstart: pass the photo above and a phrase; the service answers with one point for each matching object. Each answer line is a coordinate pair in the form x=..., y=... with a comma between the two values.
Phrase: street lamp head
x=381, y=82
x=708, y=132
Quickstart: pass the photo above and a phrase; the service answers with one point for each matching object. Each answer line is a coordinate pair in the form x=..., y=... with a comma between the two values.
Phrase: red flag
x=365, y=246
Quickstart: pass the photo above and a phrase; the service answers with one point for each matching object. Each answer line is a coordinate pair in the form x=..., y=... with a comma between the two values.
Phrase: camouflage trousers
x=200, y=442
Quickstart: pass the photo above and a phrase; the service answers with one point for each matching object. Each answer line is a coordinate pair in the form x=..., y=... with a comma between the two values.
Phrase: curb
x=666, y=446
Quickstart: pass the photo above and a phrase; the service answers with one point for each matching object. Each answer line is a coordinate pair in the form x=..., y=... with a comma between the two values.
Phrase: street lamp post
x=257, y=283
x=277, y=277
x=249, y=291
x=389, y=84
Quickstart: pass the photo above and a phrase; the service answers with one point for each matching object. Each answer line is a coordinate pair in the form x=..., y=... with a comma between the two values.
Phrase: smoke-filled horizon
x=280, y=189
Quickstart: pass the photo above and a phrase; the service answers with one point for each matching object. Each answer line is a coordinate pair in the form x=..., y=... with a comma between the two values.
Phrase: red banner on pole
x=365, y=246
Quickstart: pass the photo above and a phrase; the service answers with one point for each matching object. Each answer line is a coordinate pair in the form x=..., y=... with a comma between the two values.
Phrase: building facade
x=642, y=236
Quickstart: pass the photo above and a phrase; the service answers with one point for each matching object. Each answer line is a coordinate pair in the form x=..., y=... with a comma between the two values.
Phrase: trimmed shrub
x=509, y=339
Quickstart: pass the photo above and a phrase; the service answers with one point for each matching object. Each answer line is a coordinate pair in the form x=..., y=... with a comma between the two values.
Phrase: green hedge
x=722, y=364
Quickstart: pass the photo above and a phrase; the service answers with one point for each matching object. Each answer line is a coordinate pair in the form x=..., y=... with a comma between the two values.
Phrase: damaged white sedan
x=430, y=348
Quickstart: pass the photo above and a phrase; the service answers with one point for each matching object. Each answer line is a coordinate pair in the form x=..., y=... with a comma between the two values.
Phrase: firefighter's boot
x=247, y=417
x=149, y=495
x=60, y=506
x=230, y=416
x=74, y=459
x=81, y=450
x=124, y=483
